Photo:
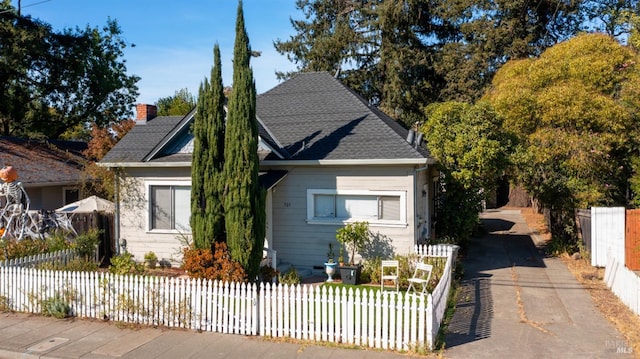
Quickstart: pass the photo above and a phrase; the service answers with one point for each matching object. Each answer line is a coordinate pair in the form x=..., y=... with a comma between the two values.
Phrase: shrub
x=75, y=265
x=290, y=277
x=56, y=306
x=371, y=270
x=86, y=243
x=5, y=304
x=267, y=273
x=202, y=263
x=124, y=264
x=25, y=247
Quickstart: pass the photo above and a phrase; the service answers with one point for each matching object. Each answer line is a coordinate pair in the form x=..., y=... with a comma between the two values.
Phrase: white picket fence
x=386, y=320
x=623, y=282
x=60, y=257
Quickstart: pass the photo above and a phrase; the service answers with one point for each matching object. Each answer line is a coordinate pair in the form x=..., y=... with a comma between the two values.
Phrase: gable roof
x=316, y=117
x=42, y=163
x=311, y=117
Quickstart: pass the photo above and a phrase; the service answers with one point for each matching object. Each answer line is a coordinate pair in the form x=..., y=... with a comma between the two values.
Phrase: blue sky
x=174, y=39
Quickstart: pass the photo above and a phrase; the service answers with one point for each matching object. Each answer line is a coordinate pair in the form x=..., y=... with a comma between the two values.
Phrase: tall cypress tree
x=243, y=197
x=207, y=168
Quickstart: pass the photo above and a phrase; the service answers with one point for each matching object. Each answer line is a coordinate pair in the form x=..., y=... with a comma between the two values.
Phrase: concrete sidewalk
x=30, y=336
x=515, y=302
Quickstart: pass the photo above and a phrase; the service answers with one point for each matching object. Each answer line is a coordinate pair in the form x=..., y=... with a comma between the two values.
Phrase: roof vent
x=411, y=136
x=418, y=141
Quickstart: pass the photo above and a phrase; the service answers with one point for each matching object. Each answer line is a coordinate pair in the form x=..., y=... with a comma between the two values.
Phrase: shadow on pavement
x=503, y=245
x=475, y=310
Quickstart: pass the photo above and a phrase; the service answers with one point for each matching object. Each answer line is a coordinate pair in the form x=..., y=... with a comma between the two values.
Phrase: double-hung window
x=376, y=207
x=170, y=207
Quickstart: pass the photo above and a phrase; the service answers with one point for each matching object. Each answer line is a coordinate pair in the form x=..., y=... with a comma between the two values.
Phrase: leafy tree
x=99, y=180
x=207, y=166
x=177, y=105
x=401, y=55
x=575, y=113
x=483, y=35
x=610, y=17
x=243, y=202
x=379, y=44
x=472, y=152
x=52, y=81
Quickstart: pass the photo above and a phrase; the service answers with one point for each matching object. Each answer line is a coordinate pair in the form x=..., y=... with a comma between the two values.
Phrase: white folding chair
x=420, y=278
x=389, y=272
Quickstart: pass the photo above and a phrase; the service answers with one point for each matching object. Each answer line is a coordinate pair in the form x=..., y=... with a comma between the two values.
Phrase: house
x=327, y=158
x=50, y=171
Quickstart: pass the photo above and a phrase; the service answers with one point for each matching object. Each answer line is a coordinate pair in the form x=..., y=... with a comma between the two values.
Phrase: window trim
x=311, y=219
x=148, y=185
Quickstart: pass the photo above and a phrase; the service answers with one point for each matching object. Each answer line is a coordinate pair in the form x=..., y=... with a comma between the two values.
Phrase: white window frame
x=311, y=219
x=149, y=185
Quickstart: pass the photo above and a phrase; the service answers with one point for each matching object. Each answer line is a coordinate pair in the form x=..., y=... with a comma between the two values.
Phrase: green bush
x=75, y=265
x=371, y=270
x=290, y=277
x=57, y=307
x=124, y=264
x=87, y=243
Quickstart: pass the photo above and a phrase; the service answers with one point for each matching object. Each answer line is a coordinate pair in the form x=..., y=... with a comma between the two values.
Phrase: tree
x=99, y=180
x=575, y=114
x=52, y=81
x=483, y=35
x=207, y=165
x=472, y=152
x=177, y=105
x=402, y=55
x=610, y=17
x=243, y=202
x=379, y=44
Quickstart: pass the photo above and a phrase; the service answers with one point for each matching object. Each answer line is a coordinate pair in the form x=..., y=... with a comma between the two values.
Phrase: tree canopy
x=51, y=81
x=575, y=112
x=472, y=152
x=179, y=104
x=402, y=55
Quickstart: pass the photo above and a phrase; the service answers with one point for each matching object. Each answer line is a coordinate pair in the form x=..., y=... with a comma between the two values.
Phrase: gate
x=632, y=239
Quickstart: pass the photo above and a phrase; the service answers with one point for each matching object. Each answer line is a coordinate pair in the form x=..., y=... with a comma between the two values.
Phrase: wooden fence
x=386, y=320
x=104, y=222
x=623, y=282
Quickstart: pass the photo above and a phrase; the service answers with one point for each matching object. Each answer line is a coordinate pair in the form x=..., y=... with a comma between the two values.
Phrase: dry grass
x=627, y=322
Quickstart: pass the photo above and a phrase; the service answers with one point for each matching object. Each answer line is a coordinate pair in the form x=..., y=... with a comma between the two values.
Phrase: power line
x=20, y=6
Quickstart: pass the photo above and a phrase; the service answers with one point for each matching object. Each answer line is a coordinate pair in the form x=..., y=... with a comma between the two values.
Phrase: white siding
x=304, y=244
x=296, y=241
x=134, y=216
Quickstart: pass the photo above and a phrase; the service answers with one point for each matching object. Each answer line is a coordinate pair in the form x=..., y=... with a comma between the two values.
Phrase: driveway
x=515, y=302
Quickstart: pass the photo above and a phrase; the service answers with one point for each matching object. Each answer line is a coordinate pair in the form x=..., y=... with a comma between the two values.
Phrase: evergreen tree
x=242, y=203
x=207, y=215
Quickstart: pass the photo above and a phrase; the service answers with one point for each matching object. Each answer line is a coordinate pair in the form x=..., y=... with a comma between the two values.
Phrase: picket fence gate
x=385, y=320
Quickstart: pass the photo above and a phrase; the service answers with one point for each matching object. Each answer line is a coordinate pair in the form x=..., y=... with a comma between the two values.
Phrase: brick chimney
x=145, y=113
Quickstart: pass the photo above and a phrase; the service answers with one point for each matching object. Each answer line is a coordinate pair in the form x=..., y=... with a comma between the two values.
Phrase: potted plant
x=341, y=256
x=353, y=236
x=330, y=265
x=150, y=260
